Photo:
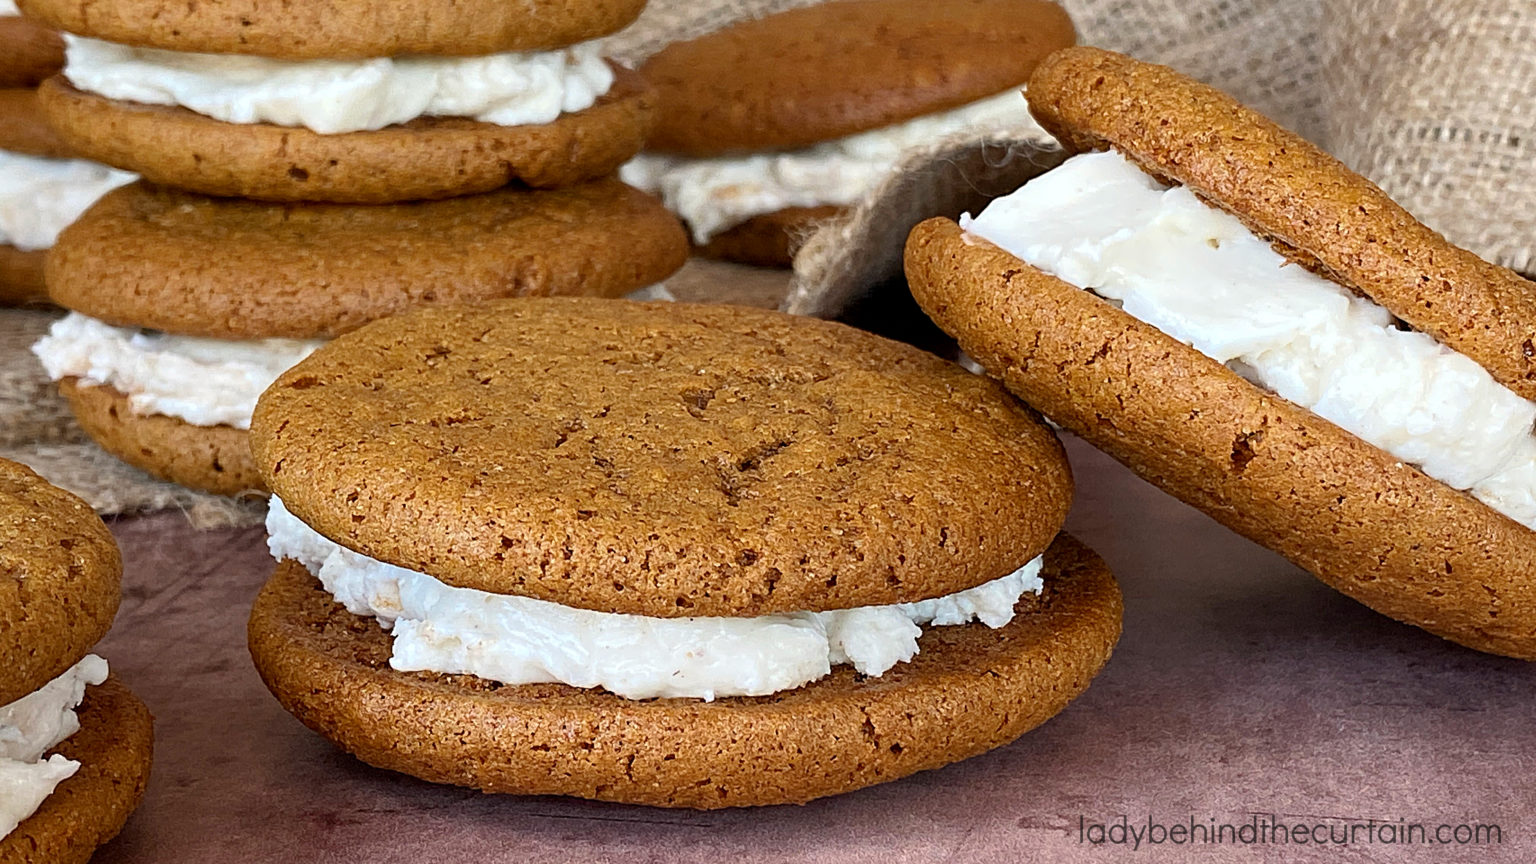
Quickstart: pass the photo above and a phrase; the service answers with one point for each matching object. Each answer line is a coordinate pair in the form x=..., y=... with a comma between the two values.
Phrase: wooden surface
x=1241, y=686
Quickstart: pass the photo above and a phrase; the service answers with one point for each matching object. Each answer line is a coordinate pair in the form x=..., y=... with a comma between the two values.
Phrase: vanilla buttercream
x=29, y=728
x=1199, y=275
x=520, y=640
x=718, y=193
x=336, y=96
x=205, y=382
x=39, y=196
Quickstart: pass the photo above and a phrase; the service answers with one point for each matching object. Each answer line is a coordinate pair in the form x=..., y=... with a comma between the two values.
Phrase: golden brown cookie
x=1317, y=211
x=827, y=71
x=154, y=257
x=214, y=459
x=1362, y=521
x=970, y=689
x=430, y=157
x=114, y=747
x=769, y=240
x=29, y=52
x=340, y=29
x=23, y=129
x=60, y=577
x=21, y=276
x=657, y=459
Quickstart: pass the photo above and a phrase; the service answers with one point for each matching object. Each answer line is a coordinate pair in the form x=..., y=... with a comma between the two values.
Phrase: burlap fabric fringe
x=1426, y=97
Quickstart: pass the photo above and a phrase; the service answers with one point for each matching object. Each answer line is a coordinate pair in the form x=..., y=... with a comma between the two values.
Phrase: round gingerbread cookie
x=827, y=71
x=657, y=459
x=341, y=29
x=60, y=578
x=114, y=746
x=429, y=157
x=29, y=52
x=769, y=240
x=1318, y=212
x=154, y=257
x=969, y=689
x=213, y=459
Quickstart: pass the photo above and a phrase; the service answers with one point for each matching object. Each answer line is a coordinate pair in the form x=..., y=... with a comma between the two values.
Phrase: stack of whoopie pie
x=774, y=124
x=75, y=744
x=1267, y=336
x=42, y=188
x=689, y=556
x=310, y=168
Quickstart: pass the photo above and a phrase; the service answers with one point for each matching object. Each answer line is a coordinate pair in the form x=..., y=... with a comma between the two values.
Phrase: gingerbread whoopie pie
x=664, y=554
x=1267, y=336
x=75, y=744
x=774, y=124
x=42, y=189
x=185, y=307
x=347, y=102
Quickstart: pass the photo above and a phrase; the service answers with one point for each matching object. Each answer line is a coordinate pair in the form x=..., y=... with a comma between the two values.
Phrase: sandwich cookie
x=685, y=556
x=349, y=103
x=42, y=189
x=1265, y=335
x=774, y=124
x=185, y=307
x=29, y=52
x=75, y=744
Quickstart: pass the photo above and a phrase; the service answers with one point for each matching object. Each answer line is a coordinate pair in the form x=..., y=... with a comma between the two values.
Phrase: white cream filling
x=335, y=96
x=206, y=382
x=519, y=640
x=718, y=193
x=39, y=196
x=8, y=7
x=1197, y=274
x=30, y=727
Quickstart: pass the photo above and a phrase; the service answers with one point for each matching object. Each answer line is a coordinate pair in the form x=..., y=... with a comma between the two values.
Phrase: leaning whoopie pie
x=42, y=189
x=346, y=102
x=185, y=307
x=686, y=556
x=75, y=744
x=774, y=124
x=1266, y=336
x=29, y=52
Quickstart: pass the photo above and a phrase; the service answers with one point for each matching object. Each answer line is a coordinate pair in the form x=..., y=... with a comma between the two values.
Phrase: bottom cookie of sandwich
x=213, y=459
x=969, y=690
x=114, y=747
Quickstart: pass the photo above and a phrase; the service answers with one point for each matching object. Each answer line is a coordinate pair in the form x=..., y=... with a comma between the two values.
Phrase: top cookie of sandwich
x=661, y=459
x=827, y=71
x=1318, y=212
x=60, y=578
x=340, y=29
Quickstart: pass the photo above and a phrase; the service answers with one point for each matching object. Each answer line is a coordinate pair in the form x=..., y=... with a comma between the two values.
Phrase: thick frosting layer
x=206, y=382
x=334, y=96
x=518, y=640
x=29, y=728
x=8, y=7
x=1197, y=274
x=712, y=195
x=39, y=196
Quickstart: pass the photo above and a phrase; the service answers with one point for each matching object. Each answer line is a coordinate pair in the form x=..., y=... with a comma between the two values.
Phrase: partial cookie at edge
x=969, y=690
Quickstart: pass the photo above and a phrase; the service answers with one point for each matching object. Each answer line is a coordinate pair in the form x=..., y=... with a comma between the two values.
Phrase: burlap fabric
x=1426, y=97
